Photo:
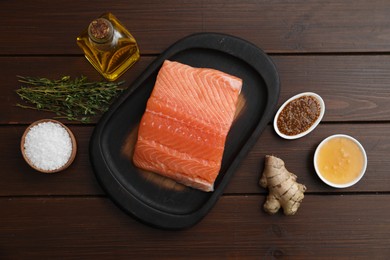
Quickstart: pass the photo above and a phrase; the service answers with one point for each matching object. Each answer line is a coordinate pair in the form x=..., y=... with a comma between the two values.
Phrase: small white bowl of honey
x=340, y=161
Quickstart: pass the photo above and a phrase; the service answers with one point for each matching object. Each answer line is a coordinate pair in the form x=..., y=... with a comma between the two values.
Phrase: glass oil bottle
x=109, y=46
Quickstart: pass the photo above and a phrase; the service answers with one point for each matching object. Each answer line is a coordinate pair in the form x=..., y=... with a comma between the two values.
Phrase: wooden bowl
x=73, y=141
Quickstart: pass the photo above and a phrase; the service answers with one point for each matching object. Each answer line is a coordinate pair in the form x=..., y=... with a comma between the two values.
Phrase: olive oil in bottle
x=109, y=46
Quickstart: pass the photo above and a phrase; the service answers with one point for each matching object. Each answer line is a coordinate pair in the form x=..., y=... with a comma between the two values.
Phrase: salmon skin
x=183, y=131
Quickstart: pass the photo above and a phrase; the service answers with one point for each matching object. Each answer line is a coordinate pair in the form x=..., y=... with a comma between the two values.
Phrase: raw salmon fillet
x=183, y=131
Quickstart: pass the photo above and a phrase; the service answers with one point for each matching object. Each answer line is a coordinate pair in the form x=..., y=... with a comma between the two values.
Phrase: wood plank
x=304, y=26
x=298, y=157
x=18, y=179
x=276, y=26
x=325, y=226
x=338, y=49
x=154, y=24
x=52, y=68
x=355, y=88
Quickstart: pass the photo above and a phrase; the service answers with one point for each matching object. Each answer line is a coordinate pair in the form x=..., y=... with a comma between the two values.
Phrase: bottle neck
x=101, y=31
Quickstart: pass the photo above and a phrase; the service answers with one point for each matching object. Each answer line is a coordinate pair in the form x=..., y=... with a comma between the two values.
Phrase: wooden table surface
x=338, y=49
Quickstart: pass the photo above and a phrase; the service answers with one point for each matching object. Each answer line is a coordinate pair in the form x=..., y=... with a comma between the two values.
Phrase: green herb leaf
x=74, y=99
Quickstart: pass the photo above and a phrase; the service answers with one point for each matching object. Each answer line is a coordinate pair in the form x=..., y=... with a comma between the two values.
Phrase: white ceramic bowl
x=335, y=185
x=314, y=125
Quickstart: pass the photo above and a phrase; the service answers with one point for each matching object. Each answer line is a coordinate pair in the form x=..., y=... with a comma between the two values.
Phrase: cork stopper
x=100, y=30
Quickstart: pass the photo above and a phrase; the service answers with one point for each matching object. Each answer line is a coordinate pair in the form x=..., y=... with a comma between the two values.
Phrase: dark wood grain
x=338, y=49
x=52, y=68
x=79, y=179
x=325, y=227
x=298, y=157
x=19, y=179
x=355, y=88
x=42, y=27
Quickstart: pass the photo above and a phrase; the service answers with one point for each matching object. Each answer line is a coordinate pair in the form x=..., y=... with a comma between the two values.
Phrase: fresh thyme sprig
x=73, y=99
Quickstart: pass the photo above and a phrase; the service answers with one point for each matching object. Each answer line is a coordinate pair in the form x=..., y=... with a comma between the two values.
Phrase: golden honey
x=340, y=160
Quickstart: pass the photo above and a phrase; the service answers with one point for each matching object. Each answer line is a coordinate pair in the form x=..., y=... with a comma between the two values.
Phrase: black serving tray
x=159, y=201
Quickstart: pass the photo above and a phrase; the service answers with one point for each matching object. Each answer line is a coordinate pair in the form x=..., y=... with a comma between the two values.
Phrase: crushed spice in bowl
x=48, y=146
x=299, y=115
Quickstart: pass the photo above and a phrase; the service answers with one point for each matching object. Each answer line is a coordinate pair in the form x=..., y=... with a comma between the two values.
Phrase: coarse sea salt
x=48, y=146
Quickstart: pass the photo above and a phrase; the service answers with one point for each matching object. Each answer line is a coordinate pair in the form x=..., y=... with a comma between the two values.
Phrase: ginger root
x=284, y=190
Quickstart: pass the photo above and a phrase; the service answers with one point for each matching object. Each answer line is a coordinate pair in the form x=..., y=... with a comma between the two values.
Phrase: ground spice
x=298, y=115
x=48, y=146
